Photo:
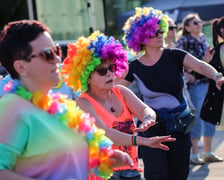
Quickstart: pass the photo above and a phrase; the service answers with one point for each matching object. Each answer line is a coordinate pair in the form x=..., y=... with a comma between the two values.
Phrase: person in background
x=64, y=89
x=91, y=66
x=3, y=72
x=3, y=82
x=45, y=136
x=171, y=34
x=158, y=73
x=195, y=42
x=170, y=42
x=211, y=110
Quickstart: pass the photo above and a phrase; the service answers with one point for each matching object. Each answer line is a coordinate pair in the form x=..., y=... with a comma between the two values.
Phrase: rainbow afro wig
x=85, y=54
x=143, y=25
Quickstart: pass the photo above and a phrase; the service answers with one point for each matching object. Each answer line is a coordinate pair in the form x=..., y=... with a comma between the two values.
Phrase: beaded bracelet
x=133, y=139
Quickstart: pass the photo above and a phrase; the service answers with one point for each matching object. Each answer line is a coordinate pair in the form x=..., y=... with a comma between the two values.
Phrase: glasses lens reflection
x=103, y=71
x=49, y=53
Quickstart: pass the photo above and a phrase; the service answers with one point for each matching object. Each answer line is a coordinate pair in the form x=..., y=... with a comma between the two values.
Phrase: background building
x=69, y=19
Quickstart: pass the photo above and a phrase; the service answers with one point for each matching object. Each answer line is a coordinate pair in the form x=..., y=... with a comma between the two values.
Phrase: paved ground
x=211, y=171
x=208, y=171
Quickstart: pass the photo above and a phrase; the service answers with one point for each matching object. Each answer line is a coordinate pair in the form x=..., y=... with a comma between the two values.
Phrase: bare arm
x=9, y=175
x=136, y=105
x=203, y=68
x=138, y=108
x=120, y=138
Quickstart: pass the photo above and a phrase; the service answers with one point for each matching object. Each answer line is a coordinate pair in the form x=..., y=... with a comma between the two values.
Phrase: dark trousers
x=167, y=165
x=129, y=174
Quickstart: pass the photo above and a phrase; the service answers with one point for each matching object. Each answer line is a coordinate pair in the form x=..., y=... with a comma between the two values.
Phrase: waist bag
x=184, y=121
x=180, y=119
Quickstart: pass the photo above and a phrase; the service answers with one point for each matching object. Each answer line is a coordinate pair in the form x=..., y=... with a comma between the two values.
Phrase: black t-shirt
x=166, y=76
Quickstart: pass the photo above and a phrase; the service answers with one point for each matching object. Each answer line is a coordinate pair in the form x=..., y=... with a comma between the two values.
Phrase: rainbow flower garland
x=142, y=25
x=72, y=116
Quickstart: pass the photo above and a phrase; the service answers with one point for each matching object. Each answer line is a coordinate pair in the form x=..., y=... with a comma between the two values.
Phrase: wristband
x=217, y=76
x=133, y=140
x=148, y=116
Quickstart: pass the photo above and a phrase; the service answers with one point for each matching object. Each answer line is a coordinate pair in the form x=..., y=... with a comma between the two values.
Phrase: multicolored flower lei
x=72, y=116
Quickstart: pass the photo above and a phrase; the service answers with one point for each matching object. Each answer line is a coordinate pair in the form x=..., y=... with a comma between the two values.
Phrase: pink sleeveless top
x=123, y=123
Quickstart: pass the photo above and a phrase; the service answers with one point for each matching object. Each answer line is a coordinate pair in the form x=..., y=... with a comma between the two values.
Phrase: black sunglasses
x=159, y=31
x=49, y=53
x=103, y=71
x=197, y=22
x=171, y=28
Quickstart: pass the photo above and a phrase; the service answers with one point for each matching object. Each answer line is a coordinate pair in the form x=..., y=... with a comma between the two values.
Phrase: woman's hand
x=146, y=124
x=219, y=82
x=156, y=142
x=208, y=55
x=190, y=78
x=120, y=158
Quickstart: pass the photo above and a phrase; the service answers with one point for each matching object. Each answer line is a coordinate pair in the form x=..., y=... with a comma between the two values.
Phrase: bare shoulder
x=124, y=90
x=81, y=100
x=83, y=103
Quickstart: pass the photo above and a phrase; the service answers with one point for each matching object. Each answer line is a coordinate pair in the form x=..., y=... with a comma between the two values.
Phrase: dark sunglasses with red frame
x=48, y=53
x=102, y=71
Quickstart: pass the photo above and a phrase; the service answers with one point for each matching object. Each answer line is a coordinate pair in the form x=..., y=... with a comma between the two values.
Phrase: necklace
x=112, y=103
x=68, y=113
x=112, y=109
x=107, y=104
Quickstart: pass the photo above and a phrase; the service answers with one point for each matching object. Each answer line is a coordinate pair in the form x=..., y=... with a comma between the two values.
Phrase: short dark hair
x=15, y=41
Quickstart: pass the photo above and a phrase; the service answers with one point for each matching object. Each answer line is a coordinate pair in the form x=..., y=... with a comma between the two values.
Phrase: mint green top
x=37, y=145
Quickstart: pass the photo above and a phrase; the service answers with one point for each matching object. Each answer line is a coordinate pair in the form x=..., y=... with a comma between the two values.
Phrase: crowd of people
x=159, y=75
x=76, y=119
x=195, y=42
x=42, y=135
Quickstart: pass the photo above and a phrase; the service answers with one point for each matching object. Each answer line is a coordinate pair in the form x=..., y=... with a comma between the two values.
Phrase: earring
x=23, y=74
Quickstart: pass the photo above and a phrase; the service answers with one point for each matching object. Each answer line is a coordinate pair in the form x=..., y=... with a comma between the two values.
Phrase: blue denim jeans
x=201, y=128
